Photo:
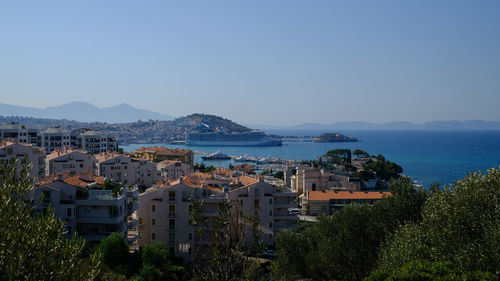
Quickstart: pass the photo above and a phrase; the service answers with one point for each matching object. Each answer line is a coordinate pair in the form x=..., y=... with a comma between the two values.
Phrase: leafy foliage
x=360, y=153
x=32, y=246
x=421, y=270
x=115, y=253
x=225, y=258
x=382, y=168
x=345, y=246
x=459, y=224
x=204, y=169
x=340, y=156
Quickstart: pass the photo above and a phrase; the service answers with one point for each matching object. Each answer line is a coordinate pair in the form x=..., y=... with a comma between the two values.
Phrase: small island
x=334, y=137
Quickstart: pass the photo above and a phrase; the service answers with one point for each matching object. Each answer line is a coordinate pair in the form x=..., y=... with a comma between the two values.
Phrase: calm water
x=426, y=156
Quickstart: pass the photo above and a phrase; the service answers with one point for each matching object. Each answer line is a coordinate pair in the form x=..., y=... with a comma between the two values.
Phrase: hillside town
x=156, y=197
x=144, y=194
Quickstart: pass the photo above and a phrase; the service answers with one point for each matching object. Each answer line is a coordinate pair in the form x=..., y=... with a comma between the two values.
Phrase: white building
x=14, y=149
x=73, y=161
x=173, y=170
x=93, y=213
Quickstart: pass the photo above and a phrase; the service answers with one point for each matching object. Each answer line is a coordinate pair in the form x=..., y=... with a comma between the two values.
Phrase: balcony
x=102, y=220
x=284, y=216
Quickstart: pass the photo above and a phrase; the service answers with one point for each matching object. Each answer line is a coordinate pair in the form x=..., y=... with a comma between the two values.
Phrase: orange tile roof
x=327, y=195
x=103, y=156
x=8, y=142
x=246, y=180
x=63, y=151
x=81, y=180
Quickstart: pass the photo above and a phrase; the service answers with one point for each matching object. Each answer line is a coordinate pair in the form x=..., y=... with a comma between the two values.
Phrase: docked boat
x=252, y=138
x=216, y=156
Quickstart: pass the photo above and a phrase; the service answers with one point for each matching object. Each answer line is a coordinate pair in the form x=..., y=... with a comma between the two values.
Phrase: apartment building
x=259, y=210
x=16, y=131
x=327, y=202
x=173, y=170
x=116, y=167
x=14, y=149
x=161, y=153
x=73, y=161
x=127, y=170
x=263, y=209
x=86, y=209
x=147, y=173
x=98, y=141
x=164, y=216
x=56, y=138
x=308, y=178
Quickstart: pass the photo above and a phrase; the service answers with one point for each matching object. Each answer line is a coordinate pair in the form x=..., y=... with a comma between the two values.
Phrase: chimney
x=60, y=176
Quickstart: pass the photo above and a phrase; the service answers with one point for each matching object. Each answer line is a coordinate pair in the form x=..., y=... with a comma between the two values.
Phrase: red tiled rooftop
x=327, y=195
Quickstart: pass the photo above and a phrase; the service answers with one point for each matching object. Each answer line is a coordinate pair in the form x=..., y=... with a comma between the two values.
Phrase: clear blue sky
x=258, y=62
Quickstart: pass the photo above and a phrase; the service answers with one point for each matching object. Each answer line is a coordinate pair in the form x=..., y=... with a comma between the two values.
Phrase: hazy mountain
x=84, y=112
x=403, y=125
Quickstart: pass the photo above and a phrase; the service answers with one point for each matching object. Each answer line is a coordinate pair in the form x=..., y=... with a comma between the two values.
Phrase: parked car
x=293, y=211
x=269, y=254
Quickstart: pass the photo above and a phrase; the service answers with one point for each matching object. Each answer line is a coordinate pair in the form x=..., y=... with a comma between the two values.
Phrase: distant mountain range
x=401, y=125
x=84, y=112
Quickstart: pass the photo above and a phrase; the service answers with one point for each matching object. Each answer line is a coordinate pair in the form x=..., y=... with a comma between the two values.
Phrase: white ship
x=253, y=138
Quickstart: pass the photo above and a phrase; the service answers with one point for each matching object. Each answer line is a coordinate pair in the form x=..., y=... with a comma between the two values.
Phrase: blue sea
x=426, y=156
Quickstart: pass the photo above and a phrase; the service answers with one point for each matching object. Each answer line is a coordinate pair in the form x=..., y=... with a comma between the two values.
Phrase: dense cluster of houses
x=148, y=194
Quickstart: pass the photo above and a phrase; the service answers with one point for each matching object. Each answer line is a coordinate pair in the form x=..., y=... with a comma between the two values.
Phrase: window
x=171, y=238
x=140, y=220
x=171, y=224
x=189, y=250
x=314, y=187
x=171, y=196
x=271, y=213
x=190, y=236
x=153, y=221
x=190, y=222
x=241, y=202
x=270, y=201
x=153, y=235
x=171, y=210
x=271, y=224
x=68, y=228
x=46, y=195
x=68, y=212
x=153, y=208
x=256, y=192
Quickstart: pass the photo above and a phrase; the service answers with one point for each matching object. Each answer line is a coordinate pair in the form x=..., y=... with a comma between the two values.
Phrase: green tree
x=225, y=258
x=340, y=156
x=382, y=168
x=345, y=246
x=421, y=270
x=360, y=153
x=32, y=246
x=460, y=224
x=115, y=253
x=279, y=175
